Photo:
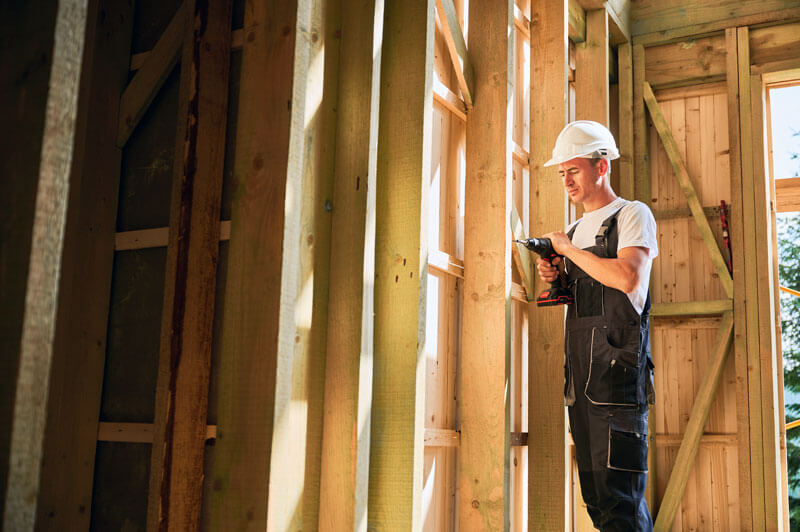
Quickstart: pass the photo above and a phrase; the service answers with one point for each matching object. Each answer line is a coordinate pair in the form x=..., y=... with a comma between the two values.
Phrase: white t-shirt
x=636, y=227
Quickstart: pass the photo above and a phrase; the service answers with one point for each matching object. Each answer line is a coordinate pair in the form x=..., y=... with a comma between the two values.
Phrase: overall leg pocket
x=613, y=372
x=627, y=443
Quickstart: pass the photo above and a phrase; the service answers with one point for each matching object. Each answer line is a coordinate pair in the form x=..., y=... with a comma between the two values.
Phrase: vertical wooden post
x=403, y=173
x=625, y=140
x=483, y=450
x=315, y=240
x=751, y=509
x=348, y=366
x=259, y=462
x=641, y=131
x=45, y=76
x=181, y=404
x=591, y=70
x=85, y=282
x=547, y=455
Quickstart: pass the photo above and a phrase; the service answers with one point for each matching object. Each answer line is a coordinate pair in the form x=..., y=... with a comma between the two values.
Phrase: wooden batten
x=641, y=136
x=688, y=62
x=75, y=391
x=403, y=173
x=483, y=451
x=626, y=122
x=751, y=510
x=348, y=363
x=457, y=47
x=38, y=151
x=315, y=241
x=151, y=76
x=181, y=404
x=548, y=457
x=260, y=447
x=591, y=70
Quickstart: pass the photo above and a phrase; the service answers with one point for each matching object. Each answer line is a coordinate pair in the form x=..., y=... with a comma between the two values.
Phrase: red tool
x=723, y=215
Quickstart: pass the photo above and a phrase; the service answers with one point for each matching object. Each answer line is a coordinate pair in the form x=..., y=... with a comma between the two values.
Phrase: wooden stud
x=403, y=173
x=315, y=240
x=626, y=123
x=181, y=404
x=685, y=181
x=348, y=363
x=576, y=22
x=591, y=72
x=151, y=76
x=641, y=130
x=457, y=46
x=748, y=504
x=482, y=456
x=39, y=213
x=259, y=453
x=85, y=280
x=548, y=465
x=684, y=462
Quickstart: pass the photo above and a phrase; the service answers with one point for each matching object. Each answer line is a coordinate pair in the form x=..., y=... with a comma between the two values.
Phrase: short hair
x=596, y=160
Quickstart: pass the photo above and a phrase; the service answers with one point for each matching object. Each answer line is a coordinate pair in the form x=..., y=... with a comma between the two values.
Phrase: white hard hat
x=583, y=138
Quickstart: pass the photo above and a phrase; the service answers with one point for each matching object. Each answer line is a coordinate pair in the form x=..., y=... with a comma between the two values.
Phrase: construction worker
x=607, y=256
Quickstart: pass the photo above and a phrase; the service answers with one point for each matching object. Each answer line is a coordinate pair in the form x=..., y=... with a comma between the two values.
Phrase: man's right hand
x=548, y=272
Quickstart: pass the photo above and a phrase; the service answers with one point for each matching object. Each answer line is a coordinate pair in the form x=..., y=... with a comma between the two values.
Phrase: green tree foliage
x=789, y=274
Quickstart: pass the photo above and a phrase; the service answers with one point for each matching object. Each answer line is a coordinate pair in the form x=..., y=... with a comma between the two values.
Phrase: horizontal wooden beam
x=521, y=155
x=135, y=432
x=684, y=461
x=444, y=263
x=674, y=440
x=448, y=99
x=157, y=237
x=441, y=437
x=787, y=194
x=137, y=60
x=692, y=308
x=670, y=214
x=685, y=181
x=457, y=46
x=151, y=76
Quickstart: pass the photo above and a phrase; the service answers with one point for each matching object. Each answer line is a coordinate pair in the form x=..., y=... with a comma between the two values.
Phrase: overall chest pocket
x=613, y=371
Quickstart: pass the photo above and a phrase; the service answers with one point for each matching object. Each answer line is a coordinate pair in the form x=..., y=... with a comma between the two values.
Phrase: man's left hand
x=561, y=242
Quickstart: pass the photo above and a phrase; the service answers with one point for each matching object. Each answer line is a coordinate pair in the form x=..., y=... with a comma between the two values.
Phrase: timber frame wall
x=260, y=270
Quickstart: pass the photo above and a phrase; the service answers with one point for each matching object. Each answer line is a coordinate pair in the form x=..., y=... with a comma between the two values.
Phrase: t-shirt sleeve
x=637, y=227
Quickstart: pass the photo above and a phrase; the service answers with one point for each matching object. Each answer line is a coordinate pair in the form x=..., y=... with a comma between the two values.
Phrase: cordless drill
x=557, y=294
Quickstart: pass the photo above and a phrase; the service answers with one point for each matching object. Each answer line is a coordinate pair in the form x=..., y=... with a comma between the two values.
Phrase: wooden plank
x=181, y=403
x=771, y=414
x=648, y=16
x=688, y=188
x=482, y=456
x=43, y=150
x=447, y=264
x=85, y=279
x=315, y=249
x=694, y=429
x=746, y=494
x=259, y=453
x=457, y=46
x=591, y=71
x=157, y=237
x=626, y=122
x=548, y=467
x=151, y=76
x=348, y=363
x=774, y=44
x=766, y=18
x=641, y=131
x=403, y=172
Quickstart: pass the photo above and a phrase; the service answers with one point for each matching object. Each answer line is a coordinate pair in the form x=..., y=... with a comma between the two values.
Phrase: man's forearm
x=615, y=273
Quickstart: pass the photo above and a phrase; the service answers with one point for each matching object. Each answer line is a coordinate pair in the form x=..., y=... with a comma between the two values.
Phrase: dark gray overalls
x=608, y=387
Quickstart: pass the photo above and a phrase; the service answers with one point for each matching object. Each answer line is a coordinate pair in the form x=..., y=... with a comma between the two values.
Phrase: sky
x=785, y=106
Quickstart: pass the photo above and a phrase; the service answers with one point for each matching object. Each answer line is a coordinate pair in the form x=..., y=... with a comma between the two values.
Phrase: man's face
x=582, y=179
